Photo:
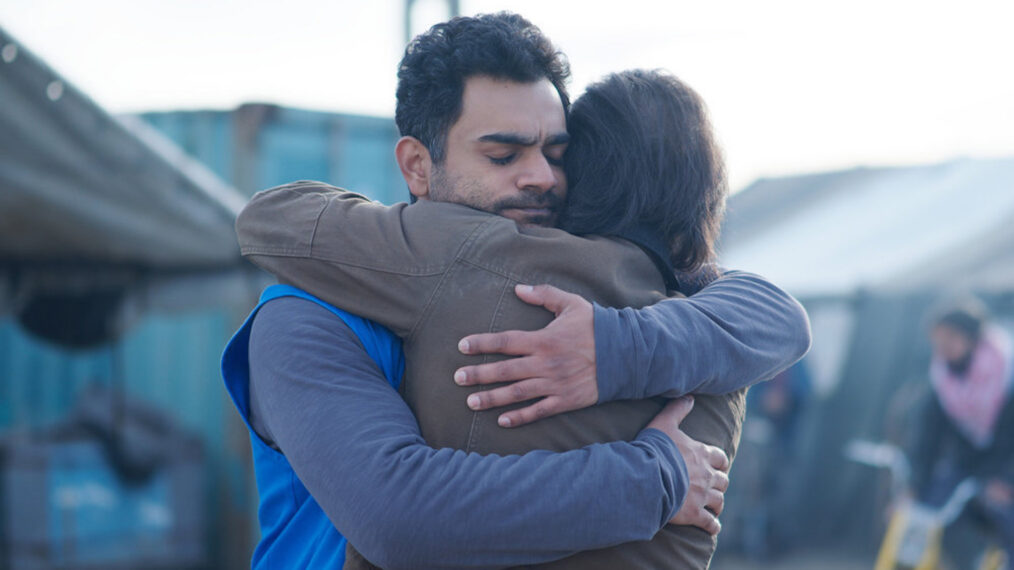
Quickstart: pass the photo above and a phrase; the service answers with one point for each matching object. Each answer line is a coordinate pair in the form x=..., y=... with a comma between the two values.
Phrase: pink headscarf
x=975, y=399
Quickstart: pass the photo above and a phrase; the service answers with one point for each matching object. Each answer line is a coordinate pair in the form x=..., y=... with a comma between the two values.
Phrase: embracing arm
x=379, y=262
x=739, y=330
x=384, y=263
x=355, y=445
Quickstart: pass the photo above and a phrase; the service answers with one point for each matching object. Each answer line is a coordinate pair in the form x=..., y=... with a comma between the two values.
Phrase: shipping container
x=258, y=146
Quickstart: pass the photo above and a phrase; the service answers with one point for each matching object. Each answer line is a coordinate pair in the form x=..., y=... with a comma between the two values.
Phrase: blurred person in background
x=966, y=425
x=767, y=487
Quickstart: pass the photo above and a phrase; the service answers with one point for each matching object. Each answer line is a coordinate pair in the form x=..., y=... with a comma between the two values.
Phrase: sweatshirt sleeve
x=356, y=446
x=739, y=330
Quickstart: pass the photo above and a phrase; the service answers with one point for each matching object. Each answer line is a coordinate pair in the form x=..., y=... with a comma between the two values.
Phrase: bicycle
x=915, y=531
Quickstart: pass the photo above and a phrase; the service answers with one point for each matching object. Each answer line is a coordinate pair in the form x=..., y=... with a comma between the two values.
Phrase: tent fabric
x=983, y=261
x=886, y=352
x=868, y=228
x=882, y=379
x=78, y=184
x=870, y=251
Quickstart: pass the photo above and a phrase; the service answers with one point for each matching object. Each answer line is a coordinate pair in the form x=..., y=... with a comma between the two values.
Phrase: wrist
x=614, y=355
x=672, y=468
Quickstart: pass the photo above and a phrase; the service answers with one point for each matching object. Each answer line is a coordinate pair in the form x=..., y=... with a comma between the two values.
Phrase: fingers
x=715, y=501
x=549, y=405
x=519, y=392
x=667, y=421
x=507, y=342
x=556, y=300
x=493, y=372
x=701, y=518
x=505, y=395
x=523, y=342
x=709, y=523
x=539, y=410
x=721, y=482
x=718, y=459
x=680, y=408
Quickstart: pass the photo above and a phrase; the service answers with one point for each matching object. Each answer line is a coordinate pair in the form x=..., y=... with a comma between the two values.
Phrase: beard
x=519, y=208
x=471, y=192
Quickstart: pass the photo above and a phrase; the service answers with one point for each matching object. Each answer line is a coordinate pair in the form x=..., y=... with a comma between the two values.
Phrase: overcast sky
x=793, y=86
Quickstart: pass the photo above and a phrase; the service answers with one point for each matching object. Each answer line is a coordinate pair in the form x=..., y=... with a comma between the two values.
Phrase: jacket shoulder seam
x=458, y=257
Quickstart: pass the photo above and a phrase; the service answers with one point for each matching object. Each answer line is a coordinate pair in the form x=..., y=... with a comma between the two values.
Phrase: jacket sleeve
x=355, y=445
x=379, y=262
x=737, y=331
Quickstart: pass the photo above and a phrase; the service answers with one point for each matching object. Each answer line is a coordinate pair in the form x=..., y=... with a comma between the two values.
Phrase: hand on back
x=707, y=468
x=555, y=365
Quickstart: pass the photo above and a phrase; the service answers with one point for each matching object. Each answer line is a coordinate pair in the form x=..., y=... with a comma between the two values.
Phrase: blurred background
x=870, y=147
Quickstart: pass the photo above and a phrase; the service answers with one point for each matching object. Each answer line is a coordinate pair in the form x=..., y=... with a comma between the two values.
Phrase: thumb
x=680, y=408
x=556, y=300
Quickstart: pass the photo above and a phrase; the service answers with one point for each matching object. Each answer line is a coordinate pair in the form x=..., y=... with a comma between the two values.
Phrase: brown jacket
x=436, y=272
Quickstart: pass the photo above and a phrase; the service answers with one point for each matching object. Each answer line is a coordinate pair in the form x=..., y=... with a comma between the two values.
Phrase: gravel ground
x=792, y=561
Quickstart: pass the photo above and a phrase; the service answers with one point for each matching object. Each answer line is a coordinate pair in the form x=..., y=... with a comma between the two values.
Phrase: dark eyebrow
x=518, y=140
x=559, y=138
x=509, y=138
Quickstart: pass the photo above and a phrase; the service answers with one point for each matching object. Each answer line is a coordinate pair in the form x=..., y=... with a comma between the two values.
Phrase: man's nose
x=538, y=174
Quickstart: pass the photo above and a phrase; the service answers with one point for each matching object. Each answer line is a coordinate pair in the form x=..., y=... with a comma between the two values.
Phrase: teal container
x=258, y=146
x=170, y=355
x=168, y=359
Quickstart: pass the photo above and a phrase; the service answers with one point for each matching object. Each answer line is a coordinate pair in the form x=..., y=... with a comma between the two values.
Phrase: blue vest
x=295, y=532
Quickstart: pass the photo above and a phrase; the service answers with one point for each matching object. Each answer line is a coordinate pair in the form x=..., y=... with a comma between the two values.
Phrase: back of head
x=436, y=64
x=643, y=157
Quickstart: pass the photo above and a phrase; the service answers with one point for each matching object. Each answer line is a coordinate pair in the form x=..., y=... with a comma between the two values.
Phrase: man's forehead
x=492, y=107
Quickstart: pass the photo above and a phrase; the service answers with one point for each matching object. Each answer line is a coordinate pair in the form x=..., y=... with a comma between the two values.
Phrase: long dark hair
x=643, y=155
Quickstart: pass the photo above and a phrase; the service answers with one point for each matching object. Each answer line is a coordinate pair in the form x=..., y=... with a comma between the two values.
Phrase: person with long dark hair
x=643, y=163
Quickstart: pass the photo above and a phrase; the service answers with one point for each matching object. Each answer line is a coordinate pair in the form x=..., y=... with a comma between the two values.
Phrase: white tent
x=870, y=251
x=945, y=225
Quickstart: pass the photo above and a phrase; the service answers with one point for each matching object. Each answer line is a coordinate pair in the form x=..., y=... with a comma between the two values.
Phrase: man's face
x=950, y=343
x=504, y=154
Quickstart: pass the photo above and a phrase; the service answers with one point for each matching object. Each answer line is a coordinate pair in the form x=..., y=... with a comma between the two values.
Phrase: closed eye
x=503, y=160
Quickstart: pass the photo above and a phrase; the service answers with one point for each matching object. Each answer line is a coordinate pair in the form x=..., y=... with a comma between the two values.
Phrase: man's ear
x=414, y=161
